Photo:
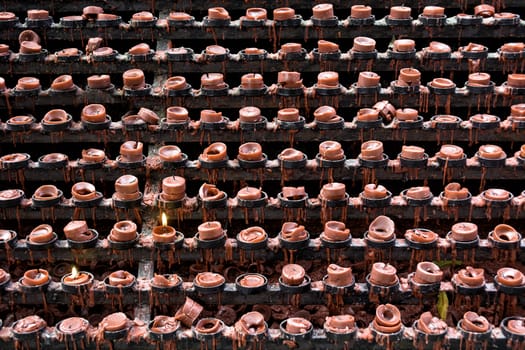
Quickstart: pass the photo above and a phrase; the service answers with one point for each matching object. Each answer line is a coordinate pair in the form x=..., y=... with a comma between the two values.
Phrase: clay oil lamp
x=173, y=190
x=476, y=329
x=433, y=16
x=210, y=234
x=94, y=117
x=8, y=20
x=331, y=155
x=251, y=119
x=20, y=123
x=451, y=156
x=333, y=195
x=296, y=329
x=163, y=328
x=506, y=19
x=209, y=283
x=327, y=84
x=323, y=15
x=286, y=17
x=211, y=198
x=252, y=84
x=131, y=155
x=119, y=282
x=326, y=51
x=72, y=330
x=28, y=328
x=92, y=158
x=254, y=17
x=339, y=280
x=252, y=238
x=252, y=198
x=491, y=156
x=180, y=19
x=361, y=15
x=429, y=328
x=455, y=196
x=294, y=280
x=426, y=280
x=41, y=237
x=417, y=196
x=469, y=281
x=387, y=324
x=46, y=196
x=37, y=18
x=7, y=239
x=293, y=236
x=513, y=328
x=484, y=121
x=11, y=198
x=251, y=327
x=56, y=120
x=364, y=48
x=27, y=86
x=35, y=280
x=422, y=244
x=143, y=19
x=399, y=16
x=253, y=54
x=289, y=119
x=165, y=235
x=76, y=282
x=326, y=118
x=496, y=198
x=251, y=283
x=114, y=326
x=217, y=17
x=413, y=157
x=100, y=83
x=166, y=283
x=79, y=236
x=381, y=233
x=188, y=313
x=212, y=84
x=293, y=198
x=135, y=83
x=140, y=53
x=127, y=194
x=123, y=235
x=289, y=84
x=340, y=328
x=375, y=196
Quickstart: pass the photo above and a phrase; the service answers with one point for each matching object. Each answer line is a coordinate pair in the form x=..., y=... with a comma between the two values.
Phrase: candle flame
x=164, y=220
x=74, y=272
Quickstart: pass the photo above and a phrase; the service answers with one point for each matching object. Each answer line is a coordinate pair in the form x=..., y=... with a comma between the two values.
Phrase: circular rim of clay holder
x=26, y=92
x=513, y=90
x=456, y=202
x=398, y=21
x=369, y=124
x=368, y=55
x=373, y=164
x=143, y=23
x=143, y=57
x=20, y=127
x=26, y=336
x=33, y=289
x=376, y=202
x=251, y=290
x=208, y=336
x=474, y=55
x=165, y=125
x=89, y=203
x=491, y=163
x=97, y=126
x=510, y=334
x=325, y=163
x=215, y=92
x=12, y=202
x=9, y=23
x=292, y=203
x=253, y=203
x=480, y=90
x=474, y=336
x=401, y=55
x=504, y=245
x=288, y=125
x=326, y=56
x=413, y=202
x=336, y=203
x=453, y=163
x=213, y=204
x=331, y=289
x=90, y=243
x=510, y=290
x=508, y=55
x=302, y=288
x=251, y=23
x=69, y=59
x=460, y=245
x=337, y=125
x=405, y=90
x=293, y=164
x=470, y=20
x=291, y=22
x=163, y=204
x=210, y=243
x=105, y=23
x=181, y=23
x=72, y=23
x=161, y=337
x=467, y=290
x=413, y=163
x=368, y=90
x=145, y=91
x=293, y=56
x=11, y=242
x=325, y=22
x=105, y=58
x=252, y=246
x=47, y=203
x=253, y=57
x=379, y=244
x=186, y=91
x=75, y=289
x=180, y=57
x=127, y=204
x=432, y=21
x=294, y=245
x=90, y=165
x=361, y=21
x=486, y=125
x=209, y=290
x=294, y=337
x=32, y=57
x=382, y=290
x=118, y=289
x=130, y=165
x=177, y=243
x=122, y=245
x=114, y=335
x=335, y=91
x=335, y=244
x=423, y=288
x=168, y=289
x=39, y=23
x=217, y=164
x=252, y=126
x=421, y=336
x=441, y=91
x=207, y=22
x=290, y=92
x=498, y=203
x=216, y=58
x=46, y=127
x=42, y=246
x=253, y=92
x=514, y=21
x=14, y=165
x=52, y=165
x=410, y=125
x=422, y=245
x=446, y=125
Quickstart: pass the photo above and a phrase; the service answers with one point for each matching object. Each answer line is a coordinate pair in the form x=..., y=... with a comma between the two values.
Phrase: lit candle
x=76, y=278
x=164, y=233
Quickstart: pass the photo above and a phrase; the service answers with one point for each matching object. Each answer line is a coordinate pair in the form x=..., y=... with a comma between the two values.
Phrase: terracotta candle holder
x=131, y=151
x=99, y=81
x=364, y=44
x=328, y=80
x=210, y=230
x=360, y=11
x=250, y=114
x=123, y=231
x=335, y=231
x=41, y=234
x=289, y=80
x=173, y=188
x=78, y=231
x=164, y=233
x=339, y=276
x=176, y=114
x=293, y=274
x=283, y=13
x=333, y=191
x=372, y=150
x=382, y=229
x=387, y=319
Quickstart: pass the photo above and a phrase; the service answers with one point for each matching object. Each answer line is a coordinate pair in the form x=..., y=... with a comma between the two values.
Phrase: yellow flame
x=164, y=220
x=74, y=272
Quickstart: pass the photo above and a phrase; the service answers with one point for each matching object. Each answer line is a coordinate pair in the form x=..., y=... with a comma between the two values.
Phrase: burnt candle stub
x=209, y=192
x=209, y=279
x=210, y=116
x=165, y=281
x=328, y=80
x=283, y=13
x=323, y=11
x=429, y=324
x=340, y=324
x=127, y=184
x=400, y=12
x=188, y=312
x=288, y=114
x=29, y=324
x=253, y=234
x=427, y=272
x=335, y=231
x=421, y=236
x=77, y=230
x=94, y=113
x=164, y=324
x=76, y=278
x=35, y=278
x=364, y=44
x=176, y=114
x=387, y=319
x=210, y=230
x=373, y=191
x=252, y=81
x=289, y=80
x=215, y=152
x=324, y=46
x=256, y=14
x=454, y=190
x=43, y=233
x=412, y=152
x=134, y=79
x=55, y=116
x=450, y=152
x=326, y=114
x=383, y=274
x=46, y=192
x=252, y=280
x=28, y=83
x=371, y=150
x=505, y=233
x=99, y=81
x=339, y=276
x=470, y=277
x=249, y=193
x=123, y=231
x=175, y=83
x=251, y=323
x=293, y=232
x=472, y=322
x=360, y=11
x=121, y=278
x=212, y=81
x=250, y=114
x=418, y=192
x=170, y=153
x=298, y=325
x=63, y=83
x=464, y=232
x=218, y=13
x=93, y=155
x=293, y=274
x=510, y=277
x=382, y=229
x=331, y=150
x=491, y=152
x=333, y=191
x=131, y=151
x=173, y=188
x=114, y=322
